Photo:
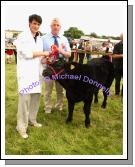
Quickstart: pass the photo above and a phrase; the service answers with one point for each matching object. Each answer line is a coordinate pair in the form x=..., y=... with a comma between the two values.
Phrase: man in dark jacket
x=118, y=64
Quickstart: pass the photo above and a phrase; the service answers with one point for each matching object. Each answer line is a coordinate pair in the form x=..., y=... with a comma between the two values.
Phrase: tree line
x=75, y=33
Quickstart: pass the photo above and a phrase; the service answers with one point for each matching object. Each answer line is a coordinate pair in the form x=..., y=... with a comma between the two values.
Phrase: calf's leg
x=87, y=111
x=105, y=100
x=71, y=105
x=96, y=96
x=108, y=85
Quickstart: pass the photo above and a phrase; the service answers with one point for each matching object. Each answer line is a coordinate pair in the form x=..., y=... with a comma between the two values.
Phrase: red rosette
x=54, y=49
x=53, y=55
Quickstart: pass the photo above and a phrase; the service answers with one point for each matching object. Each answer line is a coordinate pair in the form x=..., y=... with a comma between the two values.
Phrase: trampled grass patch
x=104, y=137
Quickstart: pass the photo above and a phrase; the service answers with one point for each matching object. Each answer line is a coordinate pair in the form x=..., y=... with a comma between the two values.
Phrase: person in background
x=73, y=46
x=88, y=47
x=118, y=64
x=9, y=52
x=81, y=55
x=110, y=48
x=103, y=47
x=15, y=53
x=75, y=54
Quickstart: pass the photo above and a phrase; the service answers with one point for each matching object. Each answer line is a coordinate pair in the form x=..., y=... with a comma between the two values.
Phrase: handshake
x=50, y=57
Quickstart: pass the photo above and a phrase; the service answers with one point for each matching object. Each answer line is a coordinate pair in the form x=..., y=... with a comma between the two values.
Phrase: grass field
x=104, y=137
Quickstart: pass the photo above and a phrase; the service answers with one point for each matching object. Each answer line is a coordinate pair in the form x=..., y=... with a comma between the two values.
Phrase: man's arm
x=65, y=49
x=117, y=51
x=40, y=53
x=117, y=56
x=67, y=54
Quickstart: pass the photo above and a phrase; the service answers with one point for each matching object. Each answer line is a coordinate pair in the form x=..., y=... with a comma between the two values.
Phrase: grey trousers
x=28, y=106
x=48, y=93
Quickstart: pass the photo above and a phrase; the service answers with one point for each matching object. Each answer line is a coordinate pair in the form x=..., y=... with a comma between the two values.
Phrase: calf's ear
x=73, y=65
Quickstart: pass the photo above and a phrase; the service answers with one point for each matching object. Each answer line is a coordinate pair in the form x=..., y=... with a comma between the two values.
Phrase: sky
x=101, y=19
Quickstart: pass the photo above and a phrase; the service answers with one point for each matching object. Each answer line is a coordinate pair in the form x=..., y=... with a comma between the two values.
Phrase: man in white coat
x=29, y=51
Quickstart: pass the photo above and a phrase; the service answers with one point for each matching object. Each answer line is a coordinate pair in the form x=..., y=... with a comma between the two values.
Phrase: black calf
x=77, y=89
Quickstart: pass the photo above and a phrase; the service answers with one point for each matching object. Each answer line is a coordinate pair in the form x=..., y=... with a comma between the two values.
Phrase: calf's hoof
x=87, y=125
x=103, y=106
x=68, y=120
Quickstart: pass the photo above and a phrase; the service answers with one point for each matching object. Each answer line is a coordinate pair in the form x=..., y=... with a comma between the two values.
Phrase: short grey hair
x=55, y=20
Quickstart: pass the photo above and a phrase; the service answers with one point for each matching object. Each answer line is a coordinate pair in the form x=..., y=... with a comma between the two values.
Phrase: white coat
x=29, y=69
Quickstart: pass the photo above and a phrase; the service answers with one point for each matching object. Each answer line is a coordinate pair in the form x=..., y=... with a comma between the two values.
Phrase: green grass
x=104, y=137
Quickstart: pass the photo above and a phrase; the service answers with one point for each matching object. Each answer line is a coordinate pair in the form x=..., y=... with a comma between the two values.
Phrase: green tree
x=109, y=37
x=73, y=32
x=103, y=37
x=93, y=34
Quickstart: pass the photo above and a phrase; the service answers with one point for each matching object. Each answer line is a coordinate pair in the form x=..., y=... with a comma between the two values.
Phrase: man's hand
x=67, y=54
x=60, y=50
x=63, y=52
